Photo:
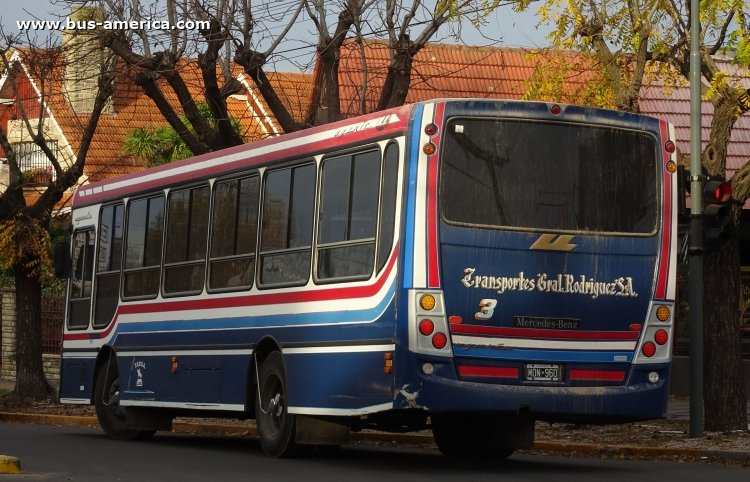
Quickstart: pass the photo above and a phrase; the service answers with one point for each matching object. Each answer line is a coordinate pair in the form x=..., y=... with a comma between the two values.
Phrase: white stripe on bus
x=598, y=345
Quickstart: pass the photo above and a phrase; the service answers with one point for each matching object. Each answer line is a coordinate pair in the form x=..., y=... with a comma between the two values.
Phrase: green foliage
x=6, y=279
x=742, y=52
x=625, y=35
x=573, y=79
x=163, y=144
x=25, y=245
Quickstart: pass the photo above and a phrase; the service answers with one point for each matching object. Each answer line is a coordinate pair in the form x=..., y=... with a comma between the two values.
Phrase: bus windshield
x=511, y=173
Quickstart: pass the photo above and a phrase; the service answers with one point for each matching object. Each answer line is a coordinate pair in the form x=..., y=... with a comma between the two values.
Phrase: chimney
x=83, y=58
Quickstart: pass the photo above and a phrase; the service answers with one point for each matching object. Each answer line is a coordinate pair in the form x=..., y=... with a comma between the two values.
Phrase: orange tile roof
x=442, y=70
x=133, y=109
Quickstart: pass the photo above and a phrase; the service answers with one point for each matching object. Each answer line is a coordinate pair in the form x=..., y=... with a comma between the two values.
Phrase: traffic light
x=717, y=214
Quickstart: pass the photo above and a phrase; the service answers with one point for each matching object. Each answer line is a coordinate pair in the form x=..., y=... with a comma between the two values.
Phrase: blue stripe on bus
x=546, y=355
x=411, y=199
x=250, y=322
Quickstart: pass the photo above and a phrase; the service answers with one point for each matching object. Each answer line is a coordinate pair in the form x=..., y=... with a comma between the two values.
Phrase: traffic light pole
x=696, y=230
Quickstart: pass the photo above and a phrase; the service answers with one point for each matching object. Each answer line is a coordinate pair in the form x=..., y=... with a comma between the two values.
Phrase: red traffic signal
x=717, y=191
x=717, y=214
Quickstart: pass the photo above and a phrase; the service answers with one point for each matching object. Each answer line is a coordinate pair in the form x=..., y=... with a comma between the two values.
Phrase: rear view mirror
x=63, y=262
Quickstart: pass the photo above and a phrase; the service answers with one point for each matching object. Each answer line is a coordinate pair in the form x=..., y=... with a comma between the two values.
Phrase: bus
x=470, y=266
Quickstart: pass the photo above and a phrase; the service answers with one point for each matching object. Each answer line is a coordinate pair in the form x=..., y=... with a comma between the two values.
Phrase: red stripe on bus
x=493, y=372
x=666, y=240
x=546, y=334
x=597, y=375
x=433, y=248
x=251, y=300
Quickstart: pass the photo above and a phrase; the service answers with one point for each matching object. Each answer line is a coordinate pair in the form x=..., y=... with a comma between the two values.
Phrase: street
x=81, y=454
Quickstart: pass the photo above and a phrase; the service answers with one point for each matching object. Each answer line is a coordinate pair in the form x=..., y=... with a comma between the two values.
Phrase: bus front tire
x=469, y=435
x=110, y=414
x=276, y=426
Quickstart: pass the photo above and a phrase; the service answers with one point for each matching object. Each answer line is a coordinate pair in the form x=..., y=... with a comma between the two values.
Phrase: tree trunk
x=398, y=79
x=723, y=380
x=30, y=380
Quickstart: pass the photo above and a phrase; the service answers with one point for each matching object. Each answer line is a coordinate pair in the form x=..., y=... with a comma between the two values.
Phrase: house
x=68, y=89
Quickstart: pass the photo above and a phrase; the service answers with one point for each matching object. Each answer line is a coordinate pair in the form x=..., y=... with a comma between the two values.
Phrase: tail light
x=655, y=346
x=428, y=325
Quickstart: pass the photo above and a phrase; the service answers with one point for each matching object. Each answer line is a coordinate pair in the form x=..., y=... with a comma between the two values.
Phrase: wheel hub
x=275, y=406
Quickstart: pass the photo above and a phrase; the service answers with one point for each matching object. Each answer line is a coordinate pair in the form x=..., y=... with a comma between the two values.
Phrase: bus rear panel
x=548, y=247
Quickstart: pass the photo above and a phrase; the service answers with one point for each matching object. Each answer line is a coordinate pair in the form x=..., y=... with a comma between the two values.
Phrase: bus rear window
x=503, y=173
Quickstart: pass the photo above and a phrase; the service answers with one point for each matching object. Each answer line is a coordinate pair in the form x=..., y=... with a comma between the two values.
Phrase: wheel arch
x=261, y=350
x=105, y=354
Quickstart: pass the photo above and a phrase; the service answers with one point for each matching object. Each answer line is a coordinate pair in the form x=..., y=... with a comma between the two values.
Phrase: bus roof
x=336, y=135
x=298, y=144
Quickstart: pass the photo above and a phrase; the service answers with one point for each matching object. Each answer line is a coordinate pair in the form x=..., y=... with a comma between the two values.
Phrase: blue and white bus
x=466, y=265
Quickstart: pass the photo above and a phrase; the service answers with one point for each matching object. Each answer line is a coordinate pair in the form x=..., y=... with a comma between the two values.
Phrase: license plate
x=538, y=372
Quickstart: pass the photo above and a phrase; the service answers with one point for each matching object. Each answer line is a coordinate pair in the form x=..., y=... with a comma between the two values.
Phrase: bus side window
x=348, y=216
x=143, y=245
x=187, y=231
x=388, y=204
x=234, y=227
x=80, y=282
x=108, y=263
x=286, y=229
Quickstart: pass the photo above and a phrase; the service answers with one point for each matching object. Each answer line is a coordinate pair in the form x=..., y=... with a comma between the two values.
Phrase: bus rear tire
x=110, y=414
x=276, y=426
x=469, y=435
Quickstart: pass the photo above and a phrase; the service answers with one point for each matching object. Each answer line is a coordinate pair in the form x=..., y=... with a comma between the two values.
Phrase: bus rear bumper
x=555, y=403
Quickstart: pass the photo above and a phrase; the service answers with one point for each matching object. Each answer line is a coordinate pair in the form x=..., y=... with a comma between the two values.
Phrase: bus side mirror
x=63, y=262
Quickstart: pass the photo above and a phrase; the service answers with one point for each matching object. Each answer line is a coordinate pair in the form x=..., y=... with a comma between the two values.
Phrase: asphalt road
x=81, y=454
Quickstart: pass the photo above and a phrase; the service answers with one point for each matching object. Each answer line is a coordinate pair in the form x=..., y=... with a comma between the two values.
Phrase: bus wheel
x=276, y=426
x=110, y=414
x=469, y=435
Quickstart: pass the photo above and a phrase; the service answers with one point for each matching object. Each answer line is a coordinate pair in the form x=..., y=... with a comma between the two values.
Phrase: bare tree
x=24, y=242
x=252, y=35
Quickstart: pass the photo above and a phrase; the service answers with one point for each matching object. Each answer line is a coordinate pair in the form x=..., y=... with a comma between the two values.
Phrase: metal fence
x=33, y=160
x=53, y=312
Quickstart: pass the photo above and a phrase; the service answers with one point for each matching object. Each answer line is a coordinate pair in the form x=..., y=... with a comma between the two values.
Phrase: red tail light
x=661, y=337
x=439, y=340
x=426, y=327
x=649, y=349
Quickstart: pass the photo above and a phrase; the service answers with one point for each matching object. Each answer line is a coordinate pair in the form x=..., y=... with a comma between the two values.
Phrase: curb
x=9, y=465
x=561, y=448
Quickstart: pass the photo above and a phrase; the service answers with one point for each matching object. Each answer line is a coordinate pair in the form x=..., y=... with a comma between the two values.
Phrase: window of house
x=234, y=229
x=145, y=229
x=33, y=162
x=286, y=233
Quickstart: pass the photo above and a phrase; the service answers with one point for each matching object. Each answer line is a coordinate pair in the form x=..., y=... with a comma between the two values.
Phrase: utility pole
x=696, y=229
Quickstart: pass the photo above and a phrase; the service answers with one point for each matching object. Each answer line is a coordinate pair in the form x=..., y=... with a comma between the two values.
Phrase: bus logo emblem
x=139, y=366
x=554, y=242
